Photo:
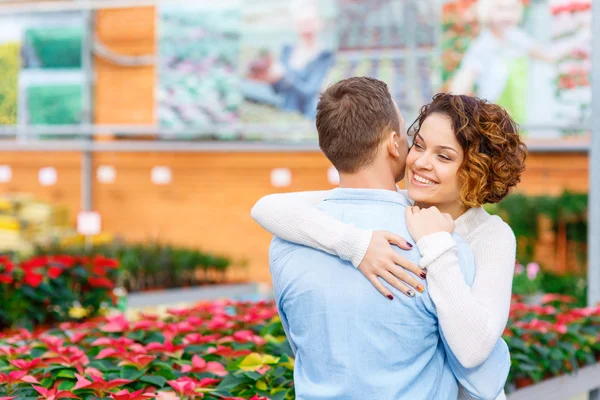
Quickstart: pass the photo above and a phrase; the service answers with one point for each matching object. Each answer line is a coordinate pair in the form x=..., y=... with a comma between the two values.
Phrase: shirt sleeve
x=487, y=380
x=295, y=218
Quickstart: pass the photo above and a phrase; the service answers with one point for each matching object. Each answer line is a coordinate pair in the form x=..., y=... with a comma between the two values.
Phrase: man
x=349, y=341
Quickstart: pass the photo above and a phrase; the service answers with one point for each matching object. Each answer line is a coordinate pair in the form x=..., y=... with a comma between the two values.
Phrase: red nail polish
x=420, y=288
x=409, y=245
x=389, y=296
x=423, y=275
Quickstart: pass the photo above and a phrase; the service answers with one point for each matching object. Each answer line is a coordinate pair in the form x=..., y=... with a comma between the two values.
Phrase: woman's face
x=432, y=164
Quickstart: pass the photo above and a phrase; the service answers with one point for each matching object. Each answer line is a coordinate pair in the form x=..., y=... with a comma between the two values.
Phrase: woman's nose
x=423, y=162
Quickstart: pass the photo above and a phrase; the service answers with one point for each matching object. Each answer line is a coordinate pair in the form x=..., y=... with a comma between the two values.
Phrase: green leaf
x=131, y=373
x=280, y=395
x=66, y=385
x=253, y=375
x=166, y=373
x=232, y=381
x=47, y=382
x=66, y=373
x=154, y=380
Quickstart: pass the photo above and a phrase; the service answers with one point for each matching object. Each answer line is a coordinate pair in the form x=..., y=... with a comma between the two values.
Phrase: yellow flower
x=78, y=312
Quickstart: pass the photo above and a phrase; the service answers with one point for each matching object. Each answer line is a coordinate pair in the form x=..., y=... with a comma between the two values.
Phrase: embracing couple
x=389, y=294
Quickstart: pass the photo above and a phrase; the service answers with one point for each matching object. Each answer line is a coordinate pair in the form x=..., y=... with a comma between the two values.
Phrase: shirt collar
x=368, y=195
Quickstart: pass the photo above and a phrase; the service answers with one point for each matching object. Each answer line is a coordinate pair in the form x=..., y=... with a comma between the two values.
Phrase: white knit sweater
x=472, y=318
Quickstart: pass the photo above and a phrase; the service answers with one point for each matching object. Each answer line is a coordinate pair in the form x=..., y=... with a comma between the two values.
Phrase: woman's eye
x=445, y=157
x=418, y=146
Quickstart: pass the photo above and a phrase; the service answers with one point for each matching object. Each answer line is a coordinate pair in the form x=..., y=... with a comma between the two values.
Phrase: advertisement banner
x=198, y=90
x=10, y=47
x=533, y=58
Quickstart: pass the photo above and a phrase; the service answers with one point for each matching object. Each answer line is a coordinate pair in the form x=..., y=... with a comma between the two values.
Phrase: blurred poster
x=198, y=87
x=391, y=40
x=288, y=50
x=10, y=44
x=533, y=58
x=52, y=78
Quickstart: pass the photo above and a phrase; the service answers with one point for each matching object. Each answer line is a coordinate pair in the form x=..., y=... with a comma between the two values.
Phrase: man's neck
x=368, y=178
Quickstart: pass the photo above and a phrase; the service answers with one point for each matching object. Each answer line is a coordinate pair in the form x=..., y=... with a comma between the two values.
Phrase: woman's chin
x=418, y=194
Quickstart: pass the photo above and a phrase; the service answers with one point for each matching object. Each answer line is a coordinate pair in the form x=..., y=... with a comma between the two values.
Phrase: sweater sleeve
x=472, y=318
x=294, y=217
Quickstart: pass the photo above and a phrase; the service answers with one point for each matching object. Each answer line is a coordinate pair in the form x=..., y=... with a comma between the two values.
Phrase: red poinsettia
x=199, y=365
x=220, y=322
x=186, y=386
x=33, y=279
x=34, y=263
x=98, y=384
x=63, y=260
x=54, y=393
x=141, y=394
x=54, y=272
x=227, y=352
x=244, y=336
x=115, y=324
x=101, y=282
x=14, y=352
x=198, y=338
x=103, y=262
x=26, y=365
x=139, y=361
x=6, y=278
x=14, y=377
x=70, y=356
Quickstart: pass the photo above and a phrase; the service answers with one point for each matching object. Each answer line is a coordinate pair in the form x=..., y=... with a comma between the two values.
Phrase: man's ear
x=393, y=143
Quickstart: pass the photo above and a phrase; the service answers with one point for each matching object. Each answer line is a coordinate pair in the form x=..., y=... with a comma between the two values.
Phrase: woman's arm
x=294, y=217
x=472, y=318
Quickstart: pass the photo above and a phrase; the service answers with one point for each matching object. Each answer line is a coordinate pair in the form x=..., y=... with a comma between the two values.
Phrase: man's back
x=351, y=342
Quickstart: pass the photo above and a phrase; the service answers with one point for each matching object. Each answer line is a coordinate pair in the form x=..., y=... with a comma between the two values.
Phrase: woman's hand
x=426, y=221
x=382, y=261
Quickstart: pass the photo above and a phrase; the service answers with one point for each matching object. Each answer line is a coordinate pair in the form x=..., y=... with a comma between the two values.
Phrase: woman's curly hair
x=494, y=154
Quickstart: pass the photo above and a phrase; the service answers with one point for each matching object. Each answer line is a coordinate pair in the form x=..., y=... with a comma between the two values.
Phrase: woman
x=498, y=60
x=295, y=79
x=466, y=153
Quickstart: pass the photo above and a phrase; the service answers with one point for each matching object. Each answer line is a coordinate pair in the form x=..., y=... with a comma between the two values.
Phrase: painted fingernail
x=423, y=275
x=389, y=296
x=409, y=245
x=420, y=288
x=410, y=293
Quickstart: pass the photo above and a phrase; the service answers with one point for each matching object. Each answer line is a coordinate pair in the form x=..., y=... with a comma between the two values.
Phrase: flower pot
x=523, y=382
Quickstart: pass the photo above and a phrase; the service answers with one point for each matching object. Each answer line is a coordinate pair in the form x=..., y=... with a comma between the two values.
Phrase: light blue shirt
x=349, y=341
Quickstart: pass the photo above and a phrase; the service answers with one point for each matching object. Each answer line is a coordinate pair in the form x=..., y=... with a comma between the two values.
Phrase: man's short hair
x=353, y=117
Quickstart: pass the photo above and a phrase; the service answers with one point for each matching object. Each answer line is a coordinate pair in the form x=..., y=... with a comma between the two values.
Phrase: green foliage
x=9, y=82
x=154, y=265
x=523, y=214
x=551, y=339
x=212, y=351
x=570, y=285
x=49, y=290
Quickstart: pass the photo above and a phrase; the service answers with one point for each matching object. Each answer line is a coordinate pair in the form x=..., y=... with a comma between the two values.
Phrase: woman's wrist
x=355, y=244
x=433, y=246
